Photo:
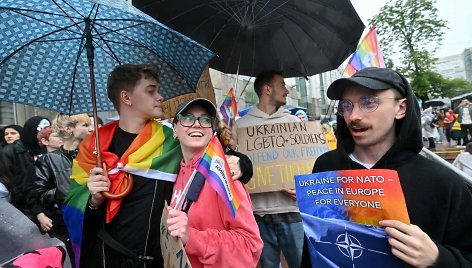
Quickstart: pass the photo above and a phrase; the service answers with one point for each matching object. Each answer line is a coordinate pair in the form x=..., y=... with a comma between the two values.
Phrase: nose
x=159, y=97
x=286, y=90
x=195, y=123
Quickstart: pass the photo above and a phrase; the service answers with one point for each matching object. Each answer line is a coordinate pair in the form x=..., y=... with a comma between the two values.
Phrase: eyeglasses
x=188, y=120
x=367, y=104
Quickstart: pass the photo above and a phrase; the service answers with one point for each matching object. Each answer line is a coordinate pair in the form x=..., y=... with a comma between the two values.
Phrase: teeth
x=194, y=134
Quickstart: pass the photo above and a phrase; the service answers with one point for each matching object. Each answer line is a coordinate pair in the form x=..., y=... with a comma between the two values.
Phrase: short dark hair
x=125, y=77
x=265, y=78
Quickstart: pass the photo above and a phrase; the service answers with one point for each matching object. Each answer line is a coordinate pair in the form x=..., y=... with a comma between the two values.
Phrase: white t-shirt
x=353, y=158
x=466, y=116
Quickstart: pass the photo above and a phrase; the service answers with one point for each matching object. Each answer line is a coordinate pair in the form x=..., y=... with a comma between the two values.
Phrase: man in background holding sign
x=379, y=128
x=276, y=213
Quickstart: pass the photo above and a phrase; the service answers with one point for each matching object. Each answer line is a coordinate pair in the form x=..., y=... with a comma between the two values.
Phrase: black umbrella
x=299, y=37
x=433, y=103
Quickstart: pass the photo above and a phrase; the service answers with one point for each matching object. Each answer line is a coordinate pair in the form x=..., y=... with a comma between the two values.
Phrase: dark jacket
x=53, y=172
x=20, y=163
x=437, y=199
x=460, y=111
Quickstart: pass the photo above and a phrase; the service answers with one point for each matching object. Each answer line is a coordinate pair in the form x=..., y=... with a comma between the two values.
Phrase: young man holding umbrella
x=124, y=232
x=379, y=128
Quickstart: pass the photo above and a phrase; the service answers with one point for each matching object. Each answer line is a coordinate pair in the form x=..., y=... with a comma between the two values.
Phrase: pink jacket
x=215, y=238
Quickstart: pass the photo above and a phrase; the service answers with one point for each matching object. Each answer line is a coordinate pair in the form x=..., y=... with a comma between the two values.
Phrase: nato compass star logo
x=349, y=246
x=352, y=245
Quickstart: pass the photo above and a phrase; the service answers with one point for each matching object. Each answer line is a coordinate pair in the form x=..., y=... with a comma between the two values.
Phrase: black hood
x=408, y=129
x=29, y=134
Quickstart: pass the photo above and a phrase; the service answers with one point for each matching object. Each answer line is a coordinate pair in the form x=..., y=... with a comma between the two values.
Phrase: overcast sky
x=458, y=13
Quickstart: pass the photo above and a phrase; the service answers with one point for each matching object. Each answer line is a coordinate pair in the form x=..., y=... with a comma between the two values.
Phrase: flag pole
x=181, y=200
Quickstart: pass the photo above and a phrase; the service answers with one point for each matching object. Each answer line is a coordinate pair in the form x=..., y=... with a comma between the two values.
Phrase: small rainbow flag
x=229, y=107
x=367, y=54
x=216, y=170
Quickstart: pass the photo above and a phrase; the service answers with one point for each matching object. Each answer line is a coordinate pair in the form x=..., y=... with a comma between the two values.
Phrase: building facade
x=456, y=66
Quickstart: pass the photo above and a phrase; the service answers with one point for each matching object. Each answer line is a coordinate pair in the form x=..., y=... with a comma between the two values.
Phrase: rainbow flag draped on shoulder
x=215, y=168
x=229, y=107
x=153, y=154
x=367, y=54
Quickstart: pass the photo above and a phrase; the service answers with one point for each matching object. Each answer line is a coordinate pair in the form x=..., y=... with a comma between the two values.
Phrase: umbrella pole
x=90, y=57
x=95, y=117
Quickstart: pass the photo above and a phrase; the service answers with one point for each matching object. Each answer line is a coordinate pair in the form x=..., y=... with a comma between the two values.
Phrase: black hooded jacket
x=437, y=199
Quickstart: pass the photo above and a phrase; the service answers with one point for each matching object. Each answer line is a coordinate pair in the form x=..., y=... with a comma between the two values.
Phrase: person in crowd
x=124, y=232
x=457, y=133
x=6, y=183
x=212, y=237
x=463, y=160
x=464, y=110
x=19, y=158
x=11, y=133
x=379, y=128
x=302, y=115
x=449, y=120
x=440, y=115
x=430, y=128
x=276, y=213
x=53, y=170
x=50, y=139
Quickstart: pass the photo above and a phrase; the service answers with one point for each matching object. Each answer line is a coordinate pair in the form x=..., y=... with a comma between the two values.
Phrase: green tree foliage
x=410, y=31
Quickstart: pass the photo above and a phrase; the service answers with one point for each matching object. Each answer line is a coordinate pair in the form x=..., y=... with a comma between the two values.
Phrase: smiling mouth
x=196, y=135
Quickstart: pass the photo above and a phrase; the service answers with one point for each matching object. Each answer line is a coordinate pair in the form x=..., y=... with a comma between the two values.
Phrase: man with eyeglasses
x=276, y=213
x=379, y=128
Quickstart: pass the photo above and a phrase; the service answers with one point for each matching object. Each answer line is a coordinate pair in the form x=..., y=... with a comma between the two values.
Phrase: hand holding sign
x=410, y=243
x=173, y=251
x=338, y=210
x=177, y=224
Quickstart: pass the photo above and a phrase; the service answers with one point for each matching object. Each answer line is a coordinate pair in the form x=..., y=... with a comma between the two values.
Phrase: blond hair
x=62, y=121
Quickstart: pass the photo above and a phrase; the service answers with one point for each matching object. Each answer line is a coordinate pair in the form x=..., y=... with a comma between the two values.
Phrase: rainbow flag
x=153, y=154
x=367, y=54
x=216, y=170
x=229, y=107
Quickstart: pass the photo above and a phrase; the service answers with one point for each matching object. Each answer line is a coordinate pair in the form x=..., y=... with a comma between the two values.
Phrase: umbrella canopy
x=434, y=103
x=53, y=51
x=298, y=37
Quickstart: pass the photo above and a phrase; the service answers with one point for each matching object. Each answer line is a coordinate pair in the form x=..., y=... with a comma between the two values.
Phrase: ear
x=44, y=141
x=69, y=130
x=401, y=109
x=267, y=90
x=125, y=98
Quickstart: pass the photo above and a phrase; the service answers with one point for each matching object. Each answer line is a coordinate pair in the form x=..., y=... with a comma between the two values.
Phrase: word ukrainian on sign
x=280, y=151
x=340, y=211
x=173, y=251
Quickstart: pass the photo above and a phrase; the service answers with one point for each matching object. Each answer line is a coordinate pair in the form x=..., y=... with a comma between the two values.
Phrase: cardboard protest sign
x=173, y=251
x=340, y=211
x=280, y=151
x=204, y=90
